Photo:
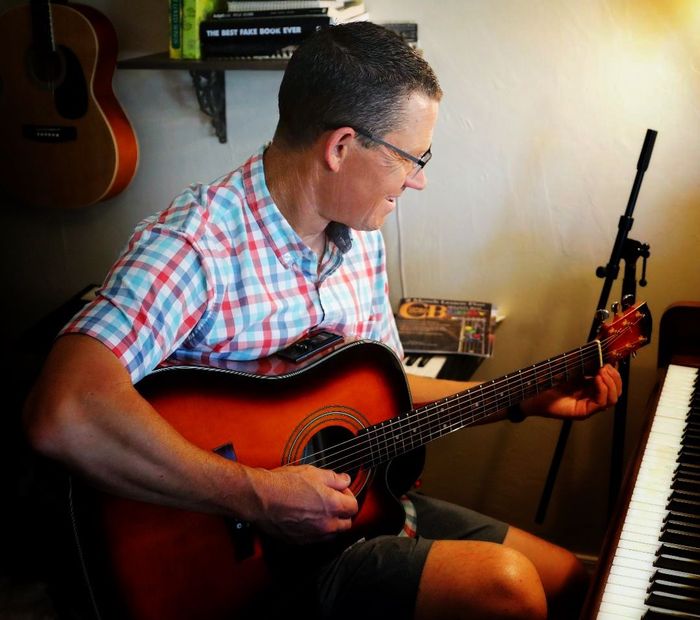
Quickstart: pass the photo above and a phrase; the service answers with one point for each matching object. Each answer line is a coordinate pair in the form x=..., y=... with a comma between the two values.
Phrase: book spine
x=265, y=5
x=260, y=29
x=277, y=13
x=194, y=12
x=175, y=23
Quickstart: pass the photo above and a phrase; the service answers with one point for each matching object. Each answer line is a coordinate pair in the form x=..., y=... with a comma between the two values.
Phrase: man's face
x=373, y=178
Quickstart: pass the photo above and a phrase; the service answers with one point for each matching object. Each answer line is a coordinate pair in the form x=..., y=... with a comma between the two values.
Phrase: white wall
x=546, y=106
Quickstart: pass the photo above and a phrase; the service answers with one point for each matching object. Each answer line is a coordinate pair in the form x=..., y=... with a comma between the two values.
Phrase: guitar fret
x=374, y=450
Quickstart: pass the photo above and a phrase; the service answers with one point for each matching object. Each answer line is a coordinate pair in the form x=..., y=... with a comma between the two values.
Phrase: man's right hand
x=303, y=504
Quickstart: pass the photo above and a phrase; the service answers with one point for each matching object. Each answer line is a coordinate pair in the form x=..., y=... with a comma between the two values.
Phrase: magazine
x=443, y=326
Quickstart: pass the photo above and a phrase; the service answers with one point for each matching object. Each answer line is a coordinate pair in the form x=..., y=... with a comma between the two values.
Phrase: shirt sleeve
x=152, y=299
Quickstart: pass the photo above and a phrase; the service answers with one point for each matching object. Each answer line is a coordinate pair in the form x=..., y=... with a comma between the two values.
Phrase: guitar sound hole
x=47, y=67
x=326, y=450
x=71, y=96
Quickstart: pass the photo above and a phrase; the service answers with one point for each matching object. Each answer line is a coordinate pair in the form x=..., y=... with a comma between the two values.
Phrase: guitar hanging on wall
x=65, y=141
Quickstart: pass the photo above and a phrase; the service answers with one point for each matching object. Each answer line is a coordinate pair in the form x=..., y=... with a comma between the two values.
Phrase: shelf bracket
x=210, y=88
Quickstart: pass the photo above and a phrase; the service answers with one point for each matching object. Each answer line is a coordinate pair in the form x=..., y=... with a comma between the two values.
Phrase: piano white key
x=633, y=545
x=634, y=559
x=613, y=611
x=623, y=593
x=648, y=508
x=622, y=574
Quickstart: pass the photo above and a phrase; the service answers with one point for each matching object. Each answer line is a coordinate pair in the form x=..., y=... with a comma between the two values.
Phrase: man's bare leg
x=473, y=579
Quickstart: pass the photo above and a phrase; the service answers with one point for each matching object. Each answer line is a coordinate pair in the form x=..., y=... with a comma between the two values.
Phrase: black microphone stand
x=630, y=251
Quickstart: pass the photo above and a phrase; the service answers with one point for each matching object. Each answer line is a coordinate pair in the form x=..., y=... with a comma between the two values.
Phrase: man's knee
x=515, y=581
x=479, y=580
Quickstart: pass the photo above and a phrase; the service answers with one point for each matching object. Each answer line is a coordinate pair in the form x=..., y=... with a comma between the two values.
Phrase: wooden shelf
x=208, y=78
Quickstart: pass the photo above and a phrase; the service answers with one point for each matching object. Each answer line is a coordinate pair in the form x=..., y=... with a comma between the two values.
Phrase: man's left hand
x=578, y=403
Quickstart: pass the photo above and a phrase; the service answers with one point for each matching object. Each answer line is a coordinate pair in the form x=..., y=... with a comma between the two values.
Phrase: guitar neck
x=42, y=26
x=409, y=431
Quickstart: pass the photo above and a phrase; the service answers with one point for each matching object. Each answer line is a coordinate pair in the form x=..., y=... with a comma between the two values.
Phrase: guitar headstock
x=625, y=332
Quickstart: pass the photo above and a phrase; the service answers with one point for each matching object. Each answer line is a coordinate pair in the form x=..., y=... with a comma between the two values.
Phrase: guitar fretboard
x=418, y=427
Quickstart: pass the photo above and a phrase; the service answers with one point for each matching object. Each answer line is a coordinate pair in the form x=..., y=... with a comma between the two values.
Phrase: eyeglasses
x=418, y=162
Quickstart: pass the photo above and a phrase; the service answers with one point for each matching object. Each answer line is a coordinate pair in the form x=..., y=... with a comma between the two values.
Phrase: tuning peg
x=615, y=307
x=602, y=314
x=627, y=301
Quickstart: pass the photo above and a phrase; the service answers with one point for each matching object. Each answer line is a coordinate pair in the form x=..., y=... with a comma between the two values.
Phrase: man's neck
x=290, y=178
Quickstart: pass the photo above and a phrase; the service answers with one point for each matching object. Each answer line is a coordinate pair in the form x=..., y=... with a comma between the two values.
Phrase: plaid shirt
x=221, y=274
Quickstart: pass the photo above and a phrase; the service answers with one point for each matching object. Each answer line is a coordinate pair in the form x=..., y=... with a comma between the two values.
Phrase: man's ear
x=337, y=147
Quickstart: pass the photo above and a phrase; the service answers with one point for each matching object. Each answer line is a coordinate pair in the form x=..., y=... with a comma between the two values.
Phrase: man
x=244, y=267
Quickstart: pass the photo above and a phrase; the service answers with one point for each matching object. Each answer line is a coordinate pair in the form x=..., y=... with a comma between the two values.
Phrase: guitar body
x=64, y=138
x=167, y=563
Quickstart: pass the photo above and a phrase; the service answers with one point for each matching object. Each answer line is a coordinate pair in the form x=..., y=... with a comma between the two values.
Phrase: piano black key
x=682, y=559
x=689, y=595
x=690, y=433
x=672, y=601
x=688, y=455
x=686, y=470
x=680, y=525
x=654, y=614
x=686, y=517
x=679, y=537
x=661, y=576
x=684, y=483
x=681, y=502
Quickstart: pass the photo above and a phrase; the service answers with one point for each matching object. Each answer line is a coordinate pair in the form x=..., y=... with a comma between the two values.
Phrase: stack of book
x=185, y=17
x=265, y=28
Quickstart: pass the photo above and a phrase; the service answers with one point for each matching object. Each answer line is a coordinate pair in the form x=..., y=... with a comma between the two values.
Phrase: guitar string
x=429, y=419
x=559, y=363
x=421, y=421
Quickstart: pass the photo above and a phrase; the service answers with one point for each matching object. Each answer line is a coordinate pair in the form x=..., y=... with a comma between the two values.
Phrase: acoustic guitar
x=346, y=409
x=64, y=139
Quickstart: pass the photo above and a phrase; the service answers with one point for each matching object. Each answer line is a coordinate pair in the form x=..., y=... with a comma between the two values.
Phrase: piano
x=650, y=563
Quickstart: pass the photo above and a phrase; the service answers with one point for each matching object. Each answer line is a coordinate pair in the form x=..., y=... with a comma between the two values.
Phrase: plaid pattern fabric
x=410, y=526
x=221, y=274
